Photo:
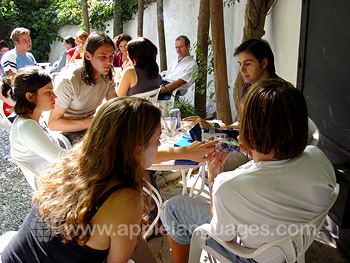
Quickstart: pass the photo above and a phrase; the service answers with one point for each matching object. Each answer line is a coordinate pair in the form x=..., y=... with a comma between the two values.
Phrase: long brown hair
x=106, y=155
x=93, y=42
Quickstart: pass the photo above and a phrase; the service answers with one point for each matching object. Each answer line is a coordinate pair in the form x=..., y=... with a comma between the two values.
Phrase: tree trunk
x=140, y=18
x=255, y=14
x=161, y=35
x=200, y=99
x=86, y=17
x=220, y=69
x=117, y=21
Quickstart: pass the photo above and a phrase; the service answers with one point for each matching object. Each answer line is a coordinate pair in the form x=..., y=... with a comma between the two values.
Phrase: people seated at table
x=68, y=43
x=180, y=72
x=33, y=93
x=121, y=57
x=77, y=51
x=144, y=75
x=98, y=184
x=80, y=90
x=19, y=56
x=285, y=184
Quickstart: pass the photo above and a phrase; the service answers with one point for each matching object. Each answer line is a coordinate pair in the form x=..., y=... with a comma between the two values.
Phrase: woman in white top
x=32, y=91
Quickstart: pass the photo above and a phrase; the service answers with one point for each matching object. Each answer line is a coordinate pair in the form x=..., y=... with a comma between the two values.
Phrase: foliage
x=228, y=3
x=205, y=66
x=45, y=17
x=40, y=21
x=185, y=107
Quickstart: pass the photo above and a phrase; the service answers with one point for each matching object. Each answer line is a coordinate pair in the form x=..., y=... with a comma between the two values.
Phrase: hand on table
x=200, y=152
x=197, y=119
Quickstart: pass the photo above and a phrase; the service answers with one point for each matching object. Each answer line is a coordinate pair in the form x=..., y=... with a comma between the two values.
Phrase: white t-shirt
x=259, y=201
x=182, y=70
x=31, y=145
x=79, y=99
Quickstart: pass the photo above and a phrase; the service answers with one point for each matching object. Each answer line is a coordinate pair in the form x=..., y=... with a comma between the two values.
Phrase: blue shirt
x=14, y=61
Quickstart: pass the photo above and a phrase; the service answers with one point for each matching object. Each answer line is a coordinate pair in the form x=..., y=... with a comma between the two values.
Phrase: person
x=181, y=70
x=257, y=63
x=77, y=51
x=33, y=93
x=285, y=185
x=144, y=75
x=19, y=56
x=68, y=43
x=82, y=89
x=4, y=47
x=121, y=56
x=98, y=184
x=7, y=108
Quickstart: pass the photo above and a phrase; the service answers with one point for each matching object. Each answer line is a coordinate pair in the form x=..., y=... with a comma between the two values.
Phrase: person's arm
x=37, y=140
x=205, y=124
x=57, y=121
x=196, y=151
x=125, y=211
x=128, y=80
x=172, y=85
x=215, y=166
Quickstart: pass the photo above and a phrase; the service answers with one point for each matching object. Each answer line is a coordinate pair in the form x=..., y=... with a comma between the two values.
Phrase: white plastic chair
x=314, y=133
x=157, y=198
x=293, y=246
x=30, y=174
x=4, y=121
x=149, y=95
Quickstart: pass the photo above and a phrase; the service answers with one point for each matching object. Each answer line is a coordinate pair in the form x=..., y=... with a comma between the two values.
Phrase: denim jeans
x=181, y=216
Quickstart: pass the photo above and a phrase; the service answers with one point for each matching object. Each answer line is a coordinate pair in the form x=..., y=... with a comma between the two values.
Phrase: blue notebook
x=195, y=135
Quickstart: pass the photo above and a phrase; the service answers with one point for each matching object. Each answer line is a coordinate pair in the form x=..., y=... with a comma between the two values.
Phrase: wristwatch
x=210, y=186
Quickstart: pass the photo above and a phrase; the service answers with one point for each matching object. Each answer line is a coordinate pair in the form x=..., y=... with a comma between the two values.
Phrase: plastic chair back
x=4, y=121
x=314, y=133
x=293, y=246
x=157, y=198
x=149, y=95
x=30, y=174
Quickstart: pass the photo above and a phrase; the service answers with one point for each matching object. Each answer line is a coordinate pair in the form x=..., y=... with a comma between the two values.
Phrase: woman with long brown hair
x=90, y=204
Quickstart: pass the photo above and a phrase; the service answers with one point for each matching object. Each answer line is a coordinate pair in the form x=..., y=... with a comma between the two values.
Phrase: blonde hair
x=106, y=154
x=17, y=32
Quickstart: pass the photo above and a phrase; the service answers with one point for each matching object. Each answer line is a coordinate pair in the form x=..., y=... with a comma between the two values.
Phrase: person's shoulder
x=24, y=124
x=125, y=198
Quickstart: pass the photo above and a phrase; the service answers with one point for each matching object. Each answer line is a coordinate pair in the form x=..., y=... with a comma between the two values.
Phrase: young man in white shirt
x=285, y=184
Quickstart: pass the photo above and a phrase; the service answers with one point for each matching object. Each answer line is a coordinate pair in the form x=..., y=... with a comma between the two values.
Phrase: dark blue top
x=34, y=243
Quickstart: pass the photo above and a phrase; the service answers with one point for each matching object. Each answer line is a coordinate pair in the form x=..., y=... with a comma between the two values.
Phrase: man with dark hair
x=181, y=70
x=285, y=185
x=256, y=62
x=19, y=56
x=82, y=89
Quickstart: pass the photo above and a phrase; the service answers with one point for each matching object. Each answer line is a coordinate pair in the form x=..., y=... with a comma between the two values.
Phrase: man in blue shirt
x=18, y=57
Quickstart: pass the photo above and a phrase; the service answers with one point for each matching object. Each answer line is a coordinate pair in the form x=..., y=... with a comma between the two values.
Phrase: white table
x=171, y=166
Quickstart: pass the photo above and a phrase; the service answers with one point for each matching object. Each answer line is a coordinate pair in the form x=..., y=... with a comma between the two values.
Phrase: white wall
x=181, y=18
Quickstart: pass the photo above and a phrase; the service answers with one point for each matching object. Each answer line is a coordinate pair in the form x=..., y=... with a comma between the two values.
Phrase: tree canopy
x=45, y=17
